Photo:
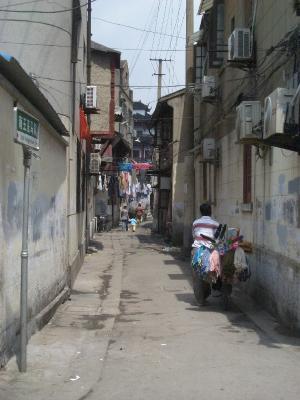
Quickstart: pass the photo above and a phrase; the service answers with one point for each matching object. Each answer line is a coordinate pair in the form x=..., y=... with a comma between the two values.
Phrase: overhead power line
x=136, y=28
x=44, y=12
x=39, y=44
x=104, y=84
x=24, y=3
x=35, y=22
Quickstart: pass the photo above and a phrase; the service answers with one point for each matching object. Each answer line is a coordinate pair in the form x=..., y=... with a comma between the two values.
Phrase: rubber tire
x=201, y=288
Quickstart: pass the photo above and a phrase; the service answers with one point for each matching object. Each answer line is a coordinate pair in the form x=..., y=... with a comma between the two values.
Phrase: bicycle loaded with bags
x=221, y=265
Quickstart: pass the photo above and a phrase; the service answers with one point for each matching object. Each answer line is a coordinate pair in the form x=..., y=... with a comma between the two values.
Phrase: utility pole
x=88, y=80
x=189, y=57
x=189, y=187
x=24, y=262
x=160, y=74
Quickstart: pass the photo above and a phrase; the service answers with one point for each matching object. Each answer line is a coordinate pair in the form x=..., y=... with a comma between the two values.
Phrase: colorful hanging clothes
x=201, y=260
x=215, y=264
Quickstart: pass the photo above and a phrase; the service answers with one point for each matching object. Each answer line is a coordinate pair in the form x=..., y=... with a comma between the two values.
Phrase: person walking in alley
x=124, y=218
x=133, y=223
x=139, y=211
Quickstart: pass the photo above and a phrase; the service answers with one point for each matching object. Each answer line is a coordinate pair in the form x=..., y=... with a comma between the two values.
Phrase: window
x=232, y=24
x=148, y=155
x=247, y=174
x=136, y=154
x=216, y=35
x=200, y=63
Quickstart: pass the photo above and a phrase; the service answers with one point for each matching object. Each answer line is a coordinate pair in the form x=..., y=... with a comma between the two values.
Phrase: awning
x=140, y=166
x=205, y=6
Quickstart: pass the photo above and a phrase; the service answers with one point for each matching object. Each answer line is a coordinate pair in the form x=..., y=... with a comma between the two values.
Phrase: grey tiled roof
x=100, y=47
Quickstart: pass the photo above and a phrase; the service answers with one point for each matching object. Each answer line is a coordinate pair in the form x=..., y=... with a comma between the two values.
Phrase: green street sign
x=27, y=129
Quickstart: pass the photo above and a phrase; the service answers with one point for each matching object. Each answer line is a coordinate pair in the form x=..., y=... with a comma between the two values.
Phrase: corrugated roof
x=205, y=5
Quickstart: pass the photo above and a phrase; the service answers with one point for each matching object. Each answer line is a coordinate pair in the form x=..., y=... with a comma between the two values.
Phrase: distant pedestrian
x=124, y=218
x=139, y=212
x=133, y=223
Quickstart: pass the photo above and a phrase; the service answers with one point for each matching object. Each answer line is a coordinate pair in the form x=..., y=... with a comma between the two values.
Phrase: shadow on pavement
x=236, y=317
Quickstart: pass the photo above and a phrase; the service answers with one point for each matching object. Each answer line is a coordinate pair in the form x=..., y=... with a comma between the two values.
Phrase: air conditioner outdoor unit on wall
x=91, y=97
x=276, y=107
x=97, y=146
x=208, y=149
x=248, y=115
x=95, y=163
x=239, y=45
x=208, y=87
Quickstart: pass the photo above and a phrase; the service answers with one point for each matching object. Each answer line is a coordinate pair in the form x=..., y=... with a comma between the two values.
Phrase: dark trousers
x=125, y=224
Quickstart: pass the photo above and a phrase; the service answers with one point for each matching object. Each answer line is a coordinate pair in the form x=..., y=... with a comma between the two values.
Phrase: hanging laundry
x=215, y=264
x=129, y=187
x=228, y=268
x=142, y=178
x=99, y=183
x=240, y=261
x=134, y=177
x=104, y=183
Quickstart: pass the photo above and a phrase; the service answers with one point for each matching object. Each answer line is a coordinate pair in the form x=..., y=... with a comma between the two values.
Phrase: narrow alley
x=132, y=330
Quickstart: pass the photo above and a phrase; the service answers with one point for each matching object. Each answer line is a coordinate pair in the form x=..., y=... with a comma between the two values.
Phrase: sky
x=167, y=19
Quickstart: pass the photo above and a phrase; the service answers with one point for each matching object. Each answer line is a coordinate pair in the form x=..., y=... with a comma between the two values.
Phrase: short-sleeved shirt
x=124, y=215
x=204, y=226
x=139, y=211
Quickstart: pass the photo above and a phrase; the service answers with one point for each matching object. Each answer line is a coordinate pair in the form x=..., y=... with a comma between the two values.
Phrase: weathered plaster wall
x=47, y=224
x=273, y=226
x=101, y=75
x=178, y=169
x=273, y=222
x=43, y=48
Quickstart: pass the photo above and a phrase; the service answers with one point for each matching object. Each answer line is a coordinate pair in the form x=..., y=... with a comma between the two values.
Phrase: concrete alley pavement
x=132, y=330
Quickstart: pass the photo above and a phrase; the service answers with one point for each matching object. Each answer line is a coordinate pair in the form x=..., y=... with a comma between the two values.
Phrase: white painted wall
x=41, y=43
x=47, y=221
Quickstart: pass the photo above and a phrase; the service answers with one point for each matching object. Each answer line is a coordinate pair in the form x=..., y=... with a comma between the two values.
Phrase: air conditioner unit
x=95, y=163
x=248, y=116
x=276, y=107
x=208, y=87
x=97, y=146
x=239, y=45
x=91, y=97
x=208, y=149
